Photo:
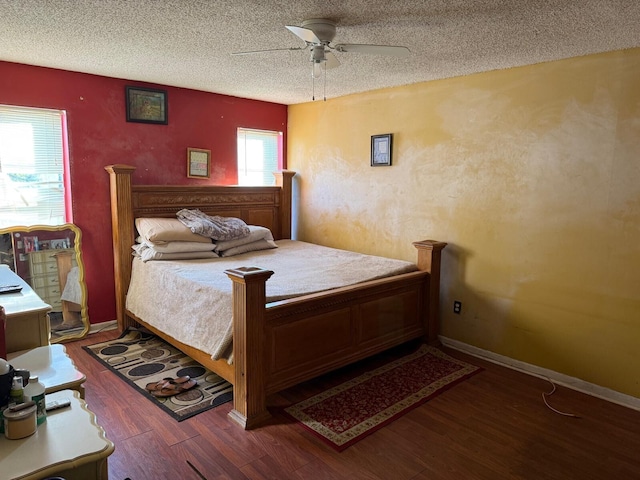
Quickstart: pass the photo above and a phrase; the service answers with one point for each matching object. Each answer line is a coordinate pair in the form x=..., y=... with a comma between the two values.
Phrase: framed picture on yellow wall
x=381, y=148
x=198, y=163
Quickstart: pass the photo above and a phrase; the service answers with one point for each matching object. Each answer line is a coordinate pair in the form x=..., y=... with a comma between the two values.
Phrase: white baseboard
x=103, y=326
x=557, y=378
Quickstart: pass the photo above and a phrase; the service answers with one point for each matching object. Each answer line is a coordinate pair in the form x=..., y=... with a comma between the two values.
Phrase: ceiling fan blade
x=331, y=60
x=270, y=50
x=393, y=51
x=304, y=33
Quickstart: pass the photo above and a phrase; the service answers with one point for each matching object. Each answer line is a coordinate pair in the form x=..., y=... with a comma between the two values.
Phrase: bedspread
x=191, y=300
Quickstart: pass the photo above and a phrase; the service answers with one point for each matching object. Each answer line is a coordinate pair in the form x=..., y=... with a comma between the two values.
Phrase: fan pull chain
x=324, y=92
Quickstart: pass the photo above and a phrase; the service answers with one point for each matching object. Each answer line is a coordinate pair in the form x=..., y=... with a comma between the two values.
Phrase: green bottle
x=16, y=394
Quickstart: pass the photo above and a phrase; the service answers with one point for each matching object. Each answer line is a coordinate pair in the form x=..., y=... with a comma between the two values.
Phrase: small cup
x=20, y=420
x=25, y=374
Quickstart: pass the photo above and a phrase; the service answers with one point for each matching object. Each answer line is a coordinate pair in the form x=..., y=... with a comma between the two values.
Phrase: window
x=259, y=155
x=32, y=166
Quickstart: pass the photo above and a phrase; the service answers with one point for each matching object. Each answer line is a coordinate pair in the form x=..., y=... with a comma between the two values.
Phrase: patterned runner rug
x=345, y=414
x=141, y=358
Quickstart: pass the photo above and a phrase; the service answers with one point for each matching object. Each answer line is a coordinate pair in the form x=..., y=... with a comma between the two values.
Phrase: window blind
x=31, y=166
x=258, y=156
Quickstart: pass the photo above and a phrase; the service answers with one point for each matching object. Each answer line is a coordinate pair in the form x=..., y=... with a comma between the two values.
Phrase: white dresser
x=27, y=319
x=44, y=278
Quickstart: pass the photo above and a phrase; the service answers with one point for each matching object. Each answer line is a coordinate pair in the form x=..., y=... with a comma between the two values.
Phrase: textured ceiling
x=188, y=43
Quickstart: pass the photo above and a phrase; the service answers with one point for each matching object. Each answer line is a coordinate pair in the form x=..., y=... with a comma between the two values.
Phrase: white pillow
x=249, y=247
x=177, y=247
x=159, y=230
x=255, y=233
x=147, y=253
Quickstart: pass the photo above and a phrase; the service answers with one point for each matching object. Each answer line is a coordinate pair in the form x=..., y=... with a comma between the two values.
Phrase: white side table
x=54, y=367
x=70, y=444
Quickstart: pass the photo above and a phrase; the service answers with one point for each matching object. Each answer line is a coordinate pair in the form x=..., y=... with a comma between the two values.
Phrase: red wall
x=99, y=135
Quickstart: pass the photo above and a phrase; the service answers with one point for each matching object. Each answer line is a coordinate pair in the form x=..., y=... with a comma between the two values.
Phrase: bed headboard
x=266, y=206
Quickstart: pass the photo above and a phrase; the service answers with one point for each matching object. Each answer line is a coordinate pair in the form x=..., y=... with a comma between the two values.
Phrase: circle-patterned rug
x=140, y=358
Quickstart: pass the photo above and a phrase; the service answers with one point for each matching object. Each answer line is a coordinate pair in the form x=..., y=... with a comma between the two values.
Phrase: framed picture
x=146, y=105
x=30, y=244
x=381, y=147
x=198, y=163
x=59, y=244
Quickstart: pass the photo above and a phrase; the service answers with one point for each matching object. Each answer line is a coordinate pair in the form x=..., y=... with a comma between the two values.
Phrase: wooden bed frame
x=279, y=344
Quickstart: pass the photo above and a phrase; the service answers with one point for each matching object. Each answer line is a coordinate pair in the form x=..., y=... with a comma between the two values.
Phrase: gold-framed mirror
x=49, y=259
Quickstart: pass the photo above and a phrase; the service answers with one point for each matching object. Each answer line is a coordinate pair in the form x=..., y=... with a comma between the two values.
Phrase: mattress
x=191, y=300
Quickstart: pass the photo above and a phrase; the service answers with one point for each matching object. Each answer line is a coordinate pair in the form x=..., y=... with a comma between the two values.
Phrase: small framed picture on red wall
x=198, y=163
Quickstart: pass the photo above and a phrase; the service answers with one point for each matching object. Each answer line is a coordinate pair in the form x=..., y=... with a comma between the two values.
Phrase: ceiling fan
x=318, y=33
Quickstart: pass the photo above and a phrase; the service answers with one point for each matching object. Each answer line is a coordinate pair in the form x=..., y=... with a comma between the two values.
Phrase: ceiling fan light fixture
x=317, y=69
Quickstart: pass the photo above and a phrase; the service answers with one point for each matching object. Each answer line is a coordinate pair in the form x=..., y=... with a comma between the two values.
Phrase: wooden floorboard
x=492, y=426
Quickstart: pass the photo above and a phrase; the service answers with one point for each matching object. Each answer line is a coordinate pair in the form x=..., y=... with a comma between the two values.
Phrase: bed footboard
x=294, y=340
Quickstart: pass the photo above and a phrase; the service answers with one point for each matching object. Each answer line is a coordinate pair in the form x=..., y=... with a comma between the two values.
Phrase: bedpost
x=122, y=233
x=249, y=387
x=429, y=256
x=284, y=179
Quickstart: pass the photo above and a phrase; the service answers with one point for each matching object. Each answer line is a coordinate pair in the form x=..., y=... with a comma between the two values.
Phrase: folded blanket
x=249, y=247
x=255, y=233
x=216, y=227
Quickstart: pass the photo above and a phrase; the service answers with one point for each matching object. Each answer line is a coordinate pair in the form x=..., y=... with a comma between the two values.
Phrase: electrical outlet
x=457, y=307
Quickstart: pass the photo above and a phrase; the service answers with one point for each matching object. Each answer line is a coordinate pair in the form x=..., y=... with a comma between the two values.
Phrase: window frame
x=245, y=132
x=46, y=151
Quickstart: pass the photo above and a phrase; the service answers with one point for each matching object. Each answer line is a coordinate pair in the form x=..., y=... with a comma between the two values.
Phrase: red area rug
x=343, y=415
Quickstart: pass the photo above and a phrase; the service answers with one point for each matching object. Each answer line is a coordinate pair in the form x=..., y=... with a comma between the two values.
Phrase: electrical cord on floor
x=196, y=470
x=548, y=394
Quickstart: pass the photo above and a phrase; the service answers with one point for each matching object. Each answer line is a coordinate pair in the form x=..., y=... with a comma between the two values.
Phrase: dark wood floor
x=492, y=426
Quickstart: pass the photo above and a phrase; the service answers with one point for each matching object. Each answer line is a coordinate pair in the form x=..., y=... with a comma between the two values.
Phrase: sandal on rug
x=157, y=385
x=165, y=382
x=172, y=388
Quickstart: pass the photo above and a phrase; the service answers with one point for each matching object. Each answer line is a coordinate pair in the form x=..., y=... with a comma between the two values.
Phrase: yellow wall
x=533, y=177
